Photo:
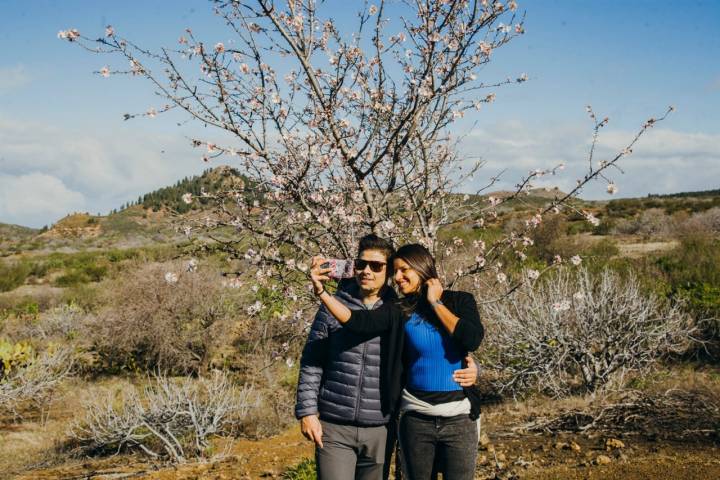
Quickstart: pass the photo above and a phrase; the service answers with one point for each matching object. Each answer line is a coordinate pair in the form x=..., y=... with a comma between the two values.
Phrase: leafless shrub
x=650, y=223
x=161, y=316
x=58, y=323
x=168, y=418
x=578, y=331
x=35, y=383
x=704, y=222
x=672, y=414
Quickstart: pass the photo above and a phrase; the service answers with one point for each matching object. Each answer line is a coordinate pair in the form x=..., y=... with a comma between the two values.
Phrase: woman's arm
x=464, y=323
x=361, y=321
x=447, y=318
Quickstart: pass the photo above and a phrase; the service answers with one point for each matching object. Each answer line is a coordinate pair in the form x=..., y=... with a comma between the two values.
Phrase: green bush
x=305, y=470
x=693, y=274
x=13, y=275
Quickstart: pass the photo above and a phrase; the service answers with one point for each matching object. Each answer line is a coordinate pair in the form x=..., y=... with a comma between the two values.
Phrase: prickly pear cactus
x=13, y=355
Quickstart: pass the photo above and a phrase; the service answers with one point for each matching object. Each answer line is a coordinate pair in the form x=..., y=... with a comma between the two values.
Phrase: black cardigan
x=389, y=320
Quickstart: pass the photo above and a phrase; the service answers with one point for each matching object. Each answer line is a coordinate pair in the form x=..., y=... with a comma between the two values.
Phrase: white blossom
x=561, y=306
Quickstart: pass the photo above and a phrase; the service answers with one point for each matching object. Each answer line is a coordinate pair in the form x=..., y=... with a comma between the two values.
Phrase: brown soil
x=542, y=457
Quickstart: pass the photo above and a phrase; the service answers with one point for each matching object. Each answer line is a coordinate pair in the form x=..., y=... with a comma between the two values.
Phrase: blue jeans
x=449, y=443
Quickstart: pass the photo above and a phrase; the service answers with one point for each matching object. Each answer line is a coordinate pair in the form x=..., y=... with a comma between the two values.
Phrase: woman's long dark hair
x=419, y=259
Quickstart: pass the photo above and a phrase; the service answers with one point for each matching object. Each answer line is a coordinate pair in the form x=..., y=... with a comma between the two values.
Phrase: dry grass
x=32, y=442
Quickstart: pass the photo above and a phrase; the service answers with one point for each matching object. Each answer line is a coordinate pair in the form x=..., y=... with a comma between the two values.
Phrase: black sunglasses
x=374, y=266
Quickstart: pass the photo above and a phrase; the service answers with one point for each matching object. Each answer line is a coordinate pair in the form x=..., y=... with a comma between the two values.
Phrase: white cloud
x=32, y=199
x=663, y=161
x=12, y=78
x=105, y=169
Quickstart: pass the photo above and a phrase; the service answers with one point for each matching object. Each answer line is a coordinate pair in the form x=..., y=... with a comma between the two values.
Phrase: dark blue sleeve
x=311, y=365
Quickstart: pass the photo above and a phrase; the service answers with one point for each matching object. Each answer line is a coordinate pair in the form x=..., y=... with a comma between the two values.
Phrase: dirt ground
x=29, y=448
x=542, y=457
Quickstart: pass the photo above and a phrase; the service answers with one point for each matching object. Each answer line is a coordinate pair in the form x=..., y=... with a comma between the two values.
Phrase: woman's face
x=407, y=279
x=367, y=279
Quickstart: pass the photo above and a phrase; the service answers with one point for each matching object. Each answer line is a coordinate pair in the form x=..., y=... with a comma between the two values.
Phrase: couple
x=373, y=359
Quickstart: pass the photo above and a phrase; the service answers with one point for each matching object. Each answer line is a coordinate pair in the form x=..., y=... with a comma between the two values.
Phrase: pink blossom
x=576, y=260
x=109, y=31
x=105, y=72
x=219, y=47
x=372, y=10
x=612, y=188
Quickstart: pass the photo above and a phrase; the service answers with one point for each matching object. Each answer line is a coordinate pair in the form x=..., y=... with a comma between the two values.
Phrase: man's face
x=367, y=279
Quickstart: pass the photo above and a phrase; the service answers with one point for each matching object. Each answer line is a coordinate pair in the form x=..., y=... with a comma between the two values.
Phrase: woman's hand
x=318, y=275
x=434, y=290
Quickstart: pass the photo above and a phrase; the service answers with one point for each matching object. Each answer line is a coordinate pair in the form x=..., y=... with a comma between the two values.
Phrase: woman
x=429, y=332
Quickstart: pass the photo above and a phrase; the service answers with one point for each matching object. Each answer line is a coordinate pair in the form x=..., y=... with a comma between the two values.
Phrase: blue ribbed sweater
x=432, y=357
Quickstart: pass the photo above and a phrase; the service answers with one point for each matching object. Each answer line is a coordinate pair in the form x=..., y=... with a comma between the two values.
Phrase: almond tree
x=338, y=134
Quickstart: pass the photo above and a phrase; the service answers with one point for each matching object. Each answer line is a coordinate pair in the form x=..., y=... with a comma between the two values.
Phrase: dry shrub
x=653, y=222
x=703, y=222
x=673, y=414
x=33, y=384
x=156, y=323
x=60, y=323
x=577, y=331
x=172, y=419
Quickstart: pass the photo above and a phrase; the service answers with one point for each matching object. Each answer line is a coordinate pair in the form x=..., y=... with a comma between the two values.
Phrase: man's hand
x=466, y=377
x=311, y=428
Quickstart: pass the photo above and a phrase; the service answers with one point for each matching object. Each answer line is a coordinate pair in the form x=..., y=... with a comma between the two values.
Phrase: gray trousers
x=351, y=452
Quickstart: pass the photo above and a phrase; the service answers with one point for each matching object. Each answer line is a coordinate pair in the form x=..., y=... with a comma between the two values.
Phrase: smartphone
x=340, y=268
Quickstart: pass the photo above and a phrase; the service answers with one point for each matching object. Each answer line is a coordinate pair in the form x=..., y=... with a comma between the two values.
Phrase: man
x=338, y=394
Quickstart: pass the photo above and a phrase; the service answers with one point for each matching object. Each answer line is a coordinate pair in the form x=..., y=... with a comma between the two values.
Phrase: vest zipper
x=360, y=381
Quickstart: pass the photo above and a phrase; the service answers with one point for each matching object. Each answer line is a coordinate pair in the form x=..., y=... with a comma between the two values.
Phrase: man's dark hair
x=373, y=242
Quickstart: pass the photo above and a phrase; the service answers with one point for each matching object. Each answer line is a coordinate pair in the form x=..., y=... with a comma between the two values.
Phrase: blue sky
x=64, y=146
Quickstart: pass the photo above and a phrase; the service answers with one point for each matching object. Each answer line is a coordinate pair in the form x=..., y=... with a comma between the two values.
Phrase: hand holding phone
x=340, y=268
